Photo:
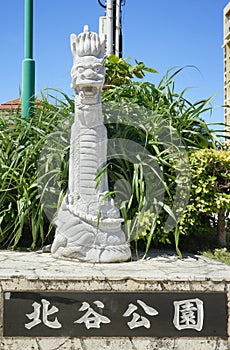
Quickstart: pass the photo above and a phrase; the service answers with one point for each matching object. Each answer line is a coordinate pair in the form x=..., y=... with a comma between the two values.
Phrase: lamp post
x=28, y=64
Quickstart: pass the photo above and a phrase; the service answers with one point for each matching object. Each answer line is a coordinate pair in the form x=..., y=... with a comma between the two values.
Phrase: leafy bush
x=220, y=254
x=169, y=126
x=163, y=111
x=120, y=72
x=183, y=115
x=210, y=170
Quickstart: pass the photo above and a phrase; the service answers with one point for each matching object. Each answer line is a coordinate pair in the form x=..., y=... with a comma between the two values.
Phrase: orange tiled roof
x=14, y=104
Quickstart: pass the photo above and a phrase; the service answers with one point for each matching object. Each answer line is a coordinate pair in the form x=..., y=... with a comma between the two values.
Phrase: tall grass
x=34, y=161
x=23, y=222
x=169, y=127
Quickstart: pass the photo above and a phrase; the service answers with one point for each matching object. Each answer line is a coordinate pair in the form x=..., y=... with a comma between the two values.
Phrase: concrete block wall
x=40, y=272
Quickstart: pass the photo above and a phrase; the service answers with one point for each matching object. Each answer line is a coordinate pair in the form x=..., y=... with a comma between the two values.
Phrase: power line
x=102, y=5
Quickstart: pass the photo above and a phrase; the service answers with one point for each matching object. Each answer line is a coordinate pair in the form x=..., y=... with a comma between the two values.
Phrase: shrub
x=210, y=170
x=169, y=126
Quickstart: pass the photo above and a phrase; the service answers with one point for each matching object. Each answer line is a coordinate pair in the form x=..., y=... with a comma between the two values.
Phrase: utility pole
x=109, y=27
x=117, y=28
x=113, y=26
x=28, y=64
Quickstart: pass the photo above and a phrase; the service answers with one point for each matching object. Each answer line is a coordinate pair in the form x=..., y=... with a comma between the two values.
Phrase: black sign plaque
x=115, y=314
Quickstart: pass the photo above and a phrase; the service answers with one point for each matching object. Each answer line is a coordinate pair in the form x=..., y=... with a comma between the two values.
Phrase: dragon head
x=88, y=71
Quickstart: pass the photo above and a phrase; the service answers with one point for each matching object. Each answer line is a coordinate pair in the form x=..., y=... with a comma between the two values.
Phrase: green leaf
x=151, y=70
x=113, y=59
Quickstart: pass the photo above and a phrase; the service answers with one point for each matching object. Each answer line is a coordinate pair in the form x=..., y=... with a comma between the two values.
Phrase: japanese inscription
x=92, y=319
x=137, y=320
x=189, y=314
x=152, y=314
x=35, y=315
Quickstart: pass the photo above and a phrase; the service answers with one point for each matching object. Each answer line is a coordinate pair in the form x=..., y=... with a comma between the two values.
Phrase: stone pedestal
x=36, y=272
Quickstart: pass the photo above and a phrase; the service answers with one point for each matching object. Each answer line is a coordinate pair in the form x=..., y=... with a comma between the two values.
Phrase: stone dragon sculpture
x=88, y=227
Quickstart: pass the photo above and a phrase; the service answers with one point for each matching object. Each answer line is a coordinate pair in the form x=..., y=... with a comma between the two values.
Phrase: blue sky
x=163, y=34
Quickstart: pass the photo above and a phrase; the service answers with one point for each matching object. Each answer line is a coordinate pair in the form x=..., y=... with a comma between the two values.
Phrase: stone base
x=162, y=272
x=85, y=239
x=113, y=344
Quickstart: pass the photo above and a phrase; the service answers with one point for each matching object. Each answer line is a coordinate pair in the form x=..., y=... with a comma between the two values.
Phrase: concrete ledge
x=112, y=344
x=30, y=271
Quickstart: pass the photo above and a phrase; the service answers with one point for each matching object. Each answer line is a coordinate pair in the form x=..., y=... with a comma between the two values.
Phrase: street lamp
x=28, y=64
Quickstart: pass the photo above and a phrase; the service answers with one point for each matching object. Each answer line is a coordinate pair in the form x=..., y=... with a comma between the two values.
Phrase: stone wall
x=162, y=272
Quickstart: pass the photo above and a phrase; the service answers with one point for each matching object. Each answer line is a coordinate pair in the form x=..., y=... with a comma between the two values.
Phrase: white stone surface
x=112, y=344
x=161, y=267
x=88, y=225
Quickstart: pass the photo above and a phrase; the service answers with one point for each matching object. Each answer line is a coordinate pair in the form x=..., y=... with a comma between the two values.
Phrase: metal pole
x=28, y=64
x=118, y=28
x=109, y=17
